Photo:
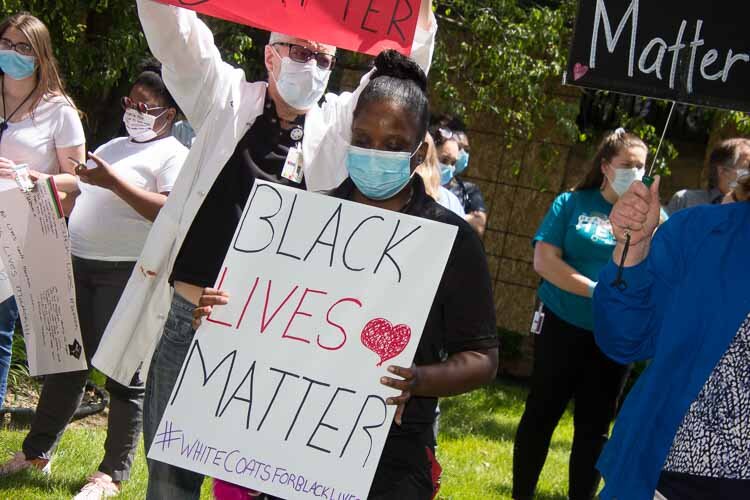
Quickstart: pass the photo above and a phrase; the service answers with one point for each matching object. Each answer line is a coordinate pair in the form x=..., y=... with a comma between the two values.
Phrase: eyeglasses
x=447, y=133
x=22, y=48
x=301, y=54
x=458, y=136
x=127, y=102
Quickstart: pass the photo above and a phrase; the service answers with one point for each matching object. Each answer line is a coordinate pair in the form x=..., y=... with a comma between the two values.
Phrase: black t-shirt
x=260, y=154
x=462, y=316
x=468, y=194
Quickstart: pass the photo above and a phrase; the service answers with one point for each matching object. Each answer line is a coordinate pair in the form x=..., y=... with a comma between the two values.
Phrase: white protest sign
x=36, y=254
x=6, y=287
x=280, y=391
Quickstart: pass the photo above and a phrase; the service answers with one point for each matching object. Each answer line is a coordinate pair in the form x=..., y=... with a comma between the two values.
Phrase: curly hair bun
x=396, y=65
x=150, y=64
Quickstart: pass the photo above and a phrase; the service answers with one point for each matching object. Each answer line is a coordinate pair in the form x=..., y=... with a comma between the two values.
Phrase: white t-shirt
x=104, y=227
x=451, y=202
x=34, y=141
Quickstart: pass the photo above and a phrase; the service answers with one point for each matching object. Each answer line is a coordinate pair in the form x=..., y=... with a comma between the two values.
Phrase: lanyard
x=4, y=124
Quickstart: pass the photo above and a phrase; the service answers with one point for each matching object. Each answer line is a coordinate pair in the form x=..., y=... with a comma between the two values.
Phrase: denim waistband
x=181, y=306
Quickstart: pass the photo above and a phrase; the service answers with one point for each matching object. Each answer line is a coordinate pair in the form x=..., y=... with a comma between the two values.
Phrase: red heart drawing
x=385, y=339
x=579, y=71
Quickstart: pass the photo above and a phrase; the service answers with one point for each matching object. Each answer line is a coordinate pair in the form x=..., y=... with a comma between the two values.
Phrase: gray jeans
x=99, y=285
x=167, y=482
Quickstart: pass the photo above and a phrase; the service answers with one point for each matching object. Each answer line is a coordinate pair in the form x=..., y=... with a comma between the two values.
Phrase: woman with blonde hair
x=429, y=170
x=40, y=128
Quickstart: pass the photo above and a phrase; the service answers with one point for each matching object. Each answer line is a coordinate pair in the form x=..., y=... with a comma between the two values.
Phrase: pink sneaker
x=19, y=463
x=100, y=486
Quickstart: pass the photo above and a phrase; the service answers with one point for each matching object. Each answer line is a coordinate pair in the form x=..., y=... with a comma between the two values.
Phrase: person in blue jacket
x=680, y=298
x=571, y=247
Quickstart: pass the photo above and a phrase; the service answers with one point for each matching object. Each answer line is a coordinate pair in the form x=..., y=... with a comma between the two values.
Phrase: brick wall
x=519, y=185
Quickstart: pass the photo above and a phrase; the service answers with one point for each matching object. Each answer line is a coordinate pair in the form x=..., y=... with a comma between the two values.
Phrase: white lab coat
x=221, y=106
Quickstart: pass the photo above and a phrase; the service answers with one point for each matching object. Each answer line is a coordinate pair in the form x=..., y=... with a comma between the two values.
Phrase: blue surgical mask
x=301, y=85
x=446, y=173
x=462, y=162
x=379, y=175
x=17, y=66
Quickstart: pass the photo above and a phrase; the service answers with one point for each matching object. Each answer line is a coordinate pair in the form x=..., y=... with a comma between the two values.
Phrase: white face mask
x=742, y=172
x=624, y=178
x=140, y=126
x=301, y=85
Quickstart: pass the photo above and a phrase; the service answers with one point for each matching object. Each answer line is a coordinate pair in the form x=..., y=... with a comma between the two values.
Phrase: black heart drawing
x=75, y=349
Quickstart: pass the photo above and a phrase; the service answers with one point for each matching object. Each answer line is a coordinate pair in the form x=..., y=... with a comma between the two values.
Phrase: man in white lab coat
x=244, y=131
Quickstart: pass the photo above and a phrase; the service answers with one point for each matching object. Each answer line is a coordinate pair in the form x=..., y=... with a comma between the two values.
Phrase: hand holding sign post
x=281, y=390
x=360, y=25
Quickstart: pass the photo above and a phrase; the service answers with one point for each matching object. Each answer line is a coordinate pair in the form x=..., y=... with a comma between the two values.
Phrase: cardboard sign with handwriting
x=281, y=388
x=368, y=26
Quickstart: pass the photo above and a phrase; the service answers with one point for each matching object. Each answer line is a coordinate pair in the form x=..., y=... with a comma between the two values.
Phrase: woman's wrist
x=636, y=253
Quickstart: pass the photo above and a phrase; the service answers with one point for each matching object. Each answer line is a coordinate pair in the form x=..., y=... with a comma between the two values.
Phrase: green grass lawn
x=475, y=449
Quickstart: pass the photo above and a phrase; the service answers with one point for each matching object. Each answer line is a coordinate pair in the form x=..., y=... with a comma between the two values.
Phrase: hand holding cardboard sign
x=209, y=298
x=410, y=380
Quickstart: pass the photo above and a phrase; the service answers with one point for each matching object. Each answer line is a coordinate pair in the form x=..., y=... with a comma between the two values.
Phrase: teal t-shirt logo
x=596, y=228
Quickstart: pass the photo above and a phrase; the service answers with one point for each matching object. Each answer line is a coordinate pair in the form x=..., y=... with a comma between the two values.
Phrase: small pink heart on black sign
x=579, y=71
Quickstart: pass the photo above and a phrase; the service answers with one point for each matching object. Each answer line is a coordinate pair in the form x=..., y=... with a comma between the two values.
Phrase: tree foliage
x=505, y=58
x=496, y=60
x=99, y=46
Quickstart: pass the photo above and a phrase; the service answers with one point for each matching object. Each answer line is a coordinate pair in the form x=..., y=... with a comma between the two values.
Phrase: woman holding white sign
x=40, y=128
x=123, y=188
x=245, y=131
x=458, y=351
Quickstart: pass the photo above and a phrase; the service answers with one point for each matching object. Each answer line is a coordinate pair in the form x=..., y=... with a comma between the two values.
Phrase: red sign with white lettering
x=367, y=26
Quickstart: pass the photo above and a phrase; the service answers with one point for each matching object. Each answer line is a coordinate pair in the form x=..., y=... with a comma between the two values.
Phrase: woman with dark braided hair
x=458, y=351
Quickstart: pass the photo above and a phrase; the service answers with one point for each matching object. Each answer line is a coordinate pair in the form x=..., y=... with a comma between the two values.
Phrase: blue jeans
x=8, y=319
x=167, y=482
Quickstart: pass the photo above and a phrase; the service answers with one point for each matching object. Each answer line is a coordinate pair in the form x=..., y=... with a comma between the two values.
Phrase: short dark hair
x=398, y=78
x=150, y=77
x=451, y=122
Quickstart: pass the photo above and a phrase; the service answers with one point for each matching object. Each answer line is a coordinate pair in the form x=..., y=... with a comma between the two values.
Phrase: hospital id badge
x=23, y=178
x=538, y=321
x=293, y=165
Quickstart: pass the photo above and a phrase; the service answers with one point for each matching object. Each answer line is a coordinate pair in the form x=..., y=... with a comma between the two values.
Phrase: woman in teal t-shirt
x=572, y=245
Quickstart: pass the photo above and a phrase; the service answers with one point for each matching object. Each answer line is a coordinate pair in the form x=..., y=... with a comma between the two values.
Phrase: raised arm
x=192, y=66
x=423, y=46
x=628, y=315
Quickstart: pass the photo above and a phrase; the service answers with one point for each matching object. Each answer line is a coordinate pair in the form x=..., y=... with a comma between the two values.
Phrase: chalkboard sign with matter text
x=686, y=51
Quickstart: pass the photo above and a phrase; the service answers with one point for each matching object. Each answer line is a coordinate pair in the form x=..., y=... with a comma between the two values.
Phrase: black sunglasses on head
x=300, y=54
